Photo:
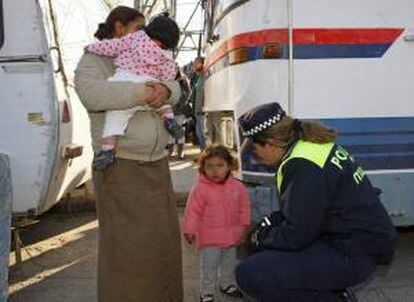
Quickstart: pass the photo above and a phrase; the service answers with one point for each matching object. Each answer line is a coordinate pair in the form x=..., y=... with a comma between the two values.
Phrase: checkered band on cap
x=260, y=118
x=262, y=126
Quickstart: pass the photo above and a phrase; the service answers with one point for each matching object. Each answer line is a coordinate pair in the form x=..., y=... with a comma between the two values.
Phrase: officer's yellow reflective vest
x=314, y=152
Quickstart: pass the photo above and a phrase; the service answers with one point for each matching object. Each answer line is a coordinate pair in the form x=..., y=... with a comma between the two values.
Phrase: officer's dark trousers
x=316, y=273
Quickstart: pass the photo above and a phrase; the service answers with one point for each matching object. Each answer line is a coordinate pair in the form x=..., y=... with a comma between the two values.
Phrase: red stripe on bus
x=307, y=36
x=346, y=35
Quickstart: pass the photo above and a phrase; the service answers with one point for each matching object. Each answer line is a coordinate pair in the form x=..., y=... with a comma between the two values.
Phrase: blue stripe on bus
x=377, y=143
x=383, y=154
x=326, y=51
x=373, y=124
x=357, y=139
x=387, y=162
x=337, y=51
x=381, y=148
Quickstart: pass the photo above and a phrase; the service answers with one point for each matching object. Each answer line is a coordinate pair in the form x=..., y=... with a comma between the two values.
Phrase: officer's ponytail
x=317, y=133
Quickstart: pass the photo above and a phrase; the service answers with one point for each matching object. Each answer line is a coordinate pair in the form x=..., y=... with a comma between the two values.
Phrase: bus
x=348, y=64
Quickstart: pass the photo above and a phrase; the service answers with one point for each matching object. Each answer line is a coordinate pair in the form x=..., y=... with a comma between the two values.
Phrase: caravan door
x=29, y=120
x=43, y=126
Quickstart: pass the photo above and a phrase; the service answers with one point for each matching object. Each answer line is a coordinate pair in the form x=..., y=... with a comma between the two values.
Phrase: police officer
x=332, y=229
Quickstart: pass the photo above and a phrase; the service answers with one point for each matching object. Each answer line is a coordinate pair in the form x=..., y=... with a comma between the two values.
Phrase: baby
x=141, y=56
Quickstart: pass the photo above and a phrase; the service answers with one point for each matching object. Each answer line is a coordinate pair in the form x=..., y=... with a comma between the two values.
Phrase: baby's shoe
x=104, y=159
x=174, y=128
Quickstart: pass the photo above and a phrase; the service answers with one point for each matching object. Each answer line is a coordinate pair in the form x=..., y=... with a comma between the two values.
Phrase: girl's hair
x=288, y=130
x=164, y=29
x=217, y=151
x=123, y=14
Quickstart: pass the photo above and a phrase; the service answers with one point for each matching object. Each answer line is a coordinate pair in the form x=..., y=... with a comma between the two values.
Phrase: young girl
x=217, y=216
x=140, y=57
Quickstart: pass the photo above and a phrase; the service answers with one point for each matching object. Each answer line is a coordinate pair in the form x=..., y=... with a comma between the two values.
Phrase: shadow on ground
x=59, y=264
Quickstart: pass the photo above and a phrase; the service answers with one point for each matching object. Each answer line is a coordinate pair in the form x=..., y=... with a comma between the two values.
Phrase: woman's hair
x=123, y=14
x=288, y=130
x=217, y=151
x=164, y=29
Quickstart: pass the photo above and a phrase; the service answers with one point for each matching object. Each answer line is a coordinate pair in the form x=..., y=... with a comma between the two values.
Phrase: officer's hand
x=262, y=229
x=258, y=234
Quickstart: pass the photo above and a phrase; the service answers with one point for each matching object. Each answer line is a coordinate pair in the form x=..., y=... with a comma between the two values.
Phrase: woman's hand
x=156, y=94
x=190, y=238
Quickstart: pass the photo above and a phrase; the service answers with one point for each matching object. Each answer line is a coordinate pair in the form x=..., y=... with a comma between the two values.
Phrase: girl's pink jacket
x=218, y=214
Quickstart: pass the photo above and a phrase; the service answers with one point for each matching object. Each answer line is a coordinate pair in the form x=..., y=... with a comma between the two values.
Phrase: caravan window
x=1, y=24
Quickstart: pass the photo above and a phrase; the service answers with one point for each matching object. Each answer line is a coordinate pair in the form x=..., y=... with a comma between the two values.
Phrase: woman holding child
x=139, y=254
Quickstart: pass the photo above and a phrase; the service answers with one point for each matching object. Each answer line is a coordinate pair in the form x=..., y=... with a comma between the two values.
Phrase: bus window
x=215, y=11
x=223, y=7
x=1, y=24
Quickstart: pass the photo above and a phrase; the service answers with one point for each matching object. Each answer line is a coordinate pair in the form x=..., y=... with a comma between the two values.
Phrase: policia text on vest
x=340, y=155
x=319, y=155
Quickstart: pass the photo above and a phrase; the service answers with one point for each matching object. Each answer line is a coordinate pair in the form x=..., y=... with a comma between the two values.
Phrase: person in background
x=180, y=110
x=190, y=121
x=198, y=99
x=139, y=247
x=213, y=125
x=141, y=56
x=331, y=230
x=217, y=216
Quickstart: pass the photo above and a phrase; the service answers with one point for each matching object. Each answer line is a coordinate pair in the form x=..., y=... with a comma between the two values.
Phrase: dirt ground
x=59, y=264
x=59, y=256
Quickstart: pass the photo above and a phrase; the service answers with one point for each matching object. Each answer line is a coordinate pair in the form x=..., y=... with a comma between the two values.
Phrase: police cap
x=260, y=118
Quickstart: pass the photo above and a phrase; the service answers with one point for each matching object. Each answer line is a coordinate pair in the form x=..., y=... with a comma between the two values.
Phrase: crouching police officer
x=332, y=229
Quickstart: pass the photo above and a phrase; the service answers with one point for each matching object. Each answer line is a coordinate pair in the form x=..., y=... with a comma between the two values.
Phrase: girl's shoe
x=207, y=298
x=231, y=291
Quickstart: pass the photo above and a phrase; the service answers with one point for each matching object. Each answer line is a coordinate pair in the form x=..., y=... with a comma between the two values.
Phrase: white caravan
x=349, y=64
x=44, y=129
